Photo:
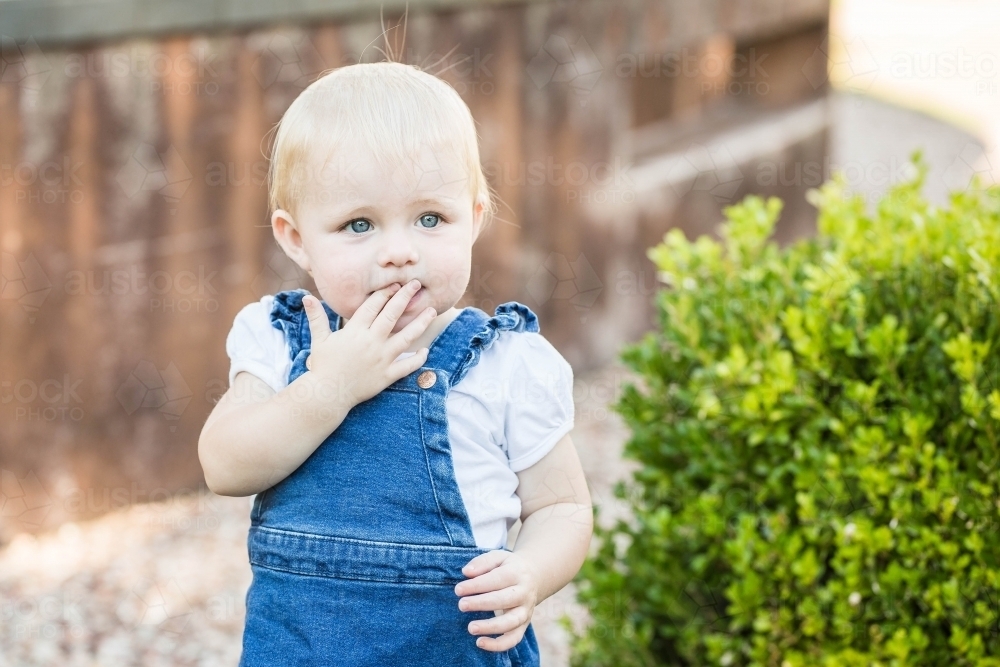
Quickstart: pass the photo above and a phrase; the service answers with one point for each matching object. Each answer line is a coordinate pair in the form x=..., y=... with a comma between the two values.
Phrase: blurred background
x=133, y=228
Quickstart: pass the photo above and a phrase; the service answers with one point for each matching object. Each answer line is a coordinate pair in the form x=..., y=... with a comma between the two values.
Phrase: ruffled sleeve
x=510, y=316
x=254, y=346
x=289, y=317
x=286, y=310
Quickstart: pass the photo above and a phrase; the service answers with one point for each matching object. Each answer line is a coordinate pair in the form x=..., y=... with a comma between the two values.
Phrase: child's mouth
x=416, y=295
x=419, y=293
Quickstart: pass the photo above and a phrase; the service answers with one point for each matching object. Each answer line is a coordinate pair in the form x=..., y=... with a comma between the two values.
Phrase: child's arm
x=556, y=527
x=255, y=437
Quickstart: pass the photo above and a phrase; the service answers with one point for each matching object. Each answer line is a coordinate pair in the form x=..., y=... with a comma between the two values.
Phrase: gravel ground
x=164, y=584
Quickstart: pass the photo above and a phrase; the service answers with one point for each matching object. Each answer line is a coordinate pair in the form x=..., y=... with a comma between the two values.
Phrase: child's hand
x=507, y=581
x=360, y=358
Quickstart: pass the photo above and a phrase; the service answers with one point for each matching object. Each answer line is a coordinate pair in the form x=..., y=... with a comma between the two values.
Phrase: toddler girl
x=391, y=438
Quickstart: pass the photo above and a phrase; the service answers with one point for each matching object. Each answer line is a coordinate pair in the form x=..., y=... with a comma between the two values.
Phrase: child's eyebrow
x=430, y=201
x=361, y=210
x=423, y=201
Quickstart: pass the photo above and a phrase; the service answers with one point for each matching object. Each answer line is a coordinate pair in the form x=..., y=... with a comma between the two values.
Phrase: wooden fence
x=133, y=220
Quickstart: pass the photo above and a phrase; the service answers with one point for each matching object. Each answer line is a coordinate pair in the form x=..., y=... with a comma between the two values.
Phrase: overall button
x=427, y=379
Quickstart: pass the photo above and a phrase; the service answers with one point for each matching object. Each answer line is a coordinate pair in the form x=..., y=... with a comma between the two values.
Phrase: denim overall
x=356, y=554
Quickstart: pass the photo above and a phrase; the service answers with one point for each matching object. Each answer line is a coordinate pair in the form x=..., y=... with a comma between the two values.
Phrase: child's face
x=359, y=229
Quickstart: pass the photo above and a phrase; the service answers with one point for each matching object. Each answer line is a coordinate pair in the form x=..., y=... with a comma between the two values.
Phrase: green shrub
x=817, y=431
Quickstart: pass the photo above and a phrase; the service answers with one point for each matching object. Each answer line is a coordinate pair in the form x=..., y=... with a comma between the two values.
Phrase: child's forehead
x=422, y=171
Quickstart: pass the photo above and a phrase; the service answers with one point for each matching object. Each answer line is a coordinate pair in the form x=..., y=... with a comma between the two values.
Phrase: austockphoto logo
x=641, y=283
x=23, y=500
x=194, y=70
x=612, y=613
x=593, y=396
x=959, y=63
x=234, y=174
x=23, y=63
x=558, y=278
x=812, y=173
x=287, y=58
x=157, y=505
x=559, y=61
x=427, y=171
x=708, y=169
x=298, y=398
x=24, y=281
x=147, y=387
x=280, y=273
x=847, y=61
x=970, y=165
x=183, y=291
x=324, y=196
x=471, y=70
x=50, y=616
x=598, y=182
x=50, y=400
x=732, y=73
x=156, y=603
x=324, y=184
x=48, y=182
x=147, y=170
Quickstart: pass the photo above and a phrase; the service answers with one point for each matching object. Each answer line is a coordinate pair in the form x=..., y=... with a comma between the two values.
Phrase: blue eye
x=358, y=221
x=431, y=216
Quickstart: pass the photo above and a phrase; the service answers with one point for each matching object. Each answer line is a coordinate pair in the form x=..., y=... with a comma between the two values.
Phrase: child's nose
x=397, y=249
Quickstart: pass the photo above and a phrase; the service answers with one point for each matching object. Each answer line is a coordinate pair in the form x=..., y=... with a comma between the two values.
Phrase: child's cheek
x=348, y=283
x=344, y=291
x=449, y=282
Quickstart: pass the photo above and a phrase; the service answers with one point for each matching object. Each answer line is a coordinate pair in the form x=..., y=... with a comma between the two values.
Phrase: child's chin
x=401, y=323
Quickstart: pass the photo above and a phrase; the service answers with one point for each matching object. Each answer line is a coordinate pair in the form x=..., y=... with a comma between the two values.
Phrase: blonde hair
x=392, y=108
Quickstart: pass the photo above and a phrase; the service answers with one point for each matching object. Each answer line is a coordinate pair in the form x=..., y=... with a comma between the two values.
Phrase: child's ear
x=478, y=212
x=287, y=235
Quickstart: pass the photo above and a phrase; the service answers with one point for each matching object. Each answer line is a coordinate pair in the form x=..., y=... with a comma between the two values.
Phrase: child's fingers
x=405, y=336
x=504, y=642
x=510, y=620
x=373, y=305
x=403, y=367
x=503, y=598
x=485, y=562
x=394, y=307
x=319, y=324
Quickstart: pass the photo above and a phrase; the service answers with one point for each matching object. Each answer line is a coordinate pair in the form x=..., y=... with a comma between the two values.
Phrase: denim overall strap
x=288, y=315
x=510, y=316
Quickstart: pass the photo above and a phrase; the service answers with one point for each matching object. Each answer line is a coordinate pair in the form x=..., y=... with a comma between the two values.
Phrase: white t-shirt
x=508, y=411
